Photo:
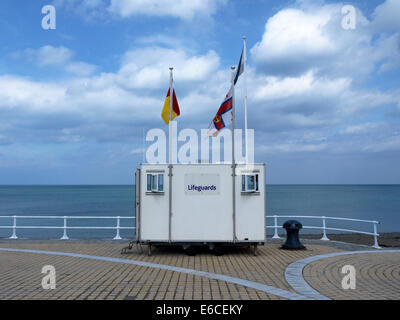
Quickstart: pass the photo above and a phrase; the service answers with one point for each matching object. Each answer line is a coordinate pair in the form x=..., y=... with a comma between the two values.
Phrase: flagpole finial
x=244, y=37
x=171, y=68
x=233, y=68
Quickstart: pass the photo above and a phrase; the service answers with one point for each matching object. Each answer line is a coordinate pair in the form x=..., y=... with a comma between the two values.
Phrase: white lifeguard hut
x=202, y=203
x=197, y=204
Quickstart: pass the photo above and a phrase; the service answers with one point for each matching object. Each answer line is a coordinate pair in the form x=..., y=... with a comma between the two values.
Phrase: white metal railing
x=118, y=227
x=324, y=228
x=65, y=226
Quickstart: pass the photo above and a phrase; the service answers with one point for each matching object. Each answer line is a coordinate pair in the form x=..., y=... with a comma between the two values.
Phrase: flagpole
x=233, y=115
x=245, y=97
x=171, y=97
x=233, y=158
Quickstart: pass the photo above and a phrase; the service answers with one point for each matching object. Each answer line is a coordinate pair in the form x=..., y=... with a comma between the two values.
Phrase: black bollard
x=292, y=235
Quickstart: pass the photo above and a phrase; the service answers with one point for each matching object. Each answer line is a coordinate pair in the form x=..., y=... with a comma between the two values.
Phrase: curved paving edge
x=254, y=285
x=294, y=272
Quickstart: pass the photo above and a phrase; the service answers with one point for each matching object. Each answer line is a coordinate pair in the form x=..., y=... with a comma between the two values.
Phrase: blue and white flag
x=240, y=68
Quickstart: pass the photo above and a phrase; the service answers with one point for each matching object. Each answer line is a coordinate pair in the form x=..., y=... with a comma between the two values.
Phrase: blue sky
x=76, y=101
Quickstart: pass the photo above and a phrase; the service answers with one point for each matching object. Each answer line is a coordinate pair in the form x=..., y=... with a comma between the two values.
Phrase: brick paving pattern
x=377, y=276
x=80, y=278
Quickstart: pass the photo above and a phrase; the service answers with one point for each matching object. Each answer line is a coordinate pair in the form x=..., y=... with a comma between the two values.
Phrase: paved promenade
x=97, y=270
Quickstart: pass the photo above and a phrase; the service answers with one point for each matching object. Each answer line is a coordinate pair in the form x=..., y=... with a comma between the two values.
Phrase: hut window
x=155, y=182
x=250, y=183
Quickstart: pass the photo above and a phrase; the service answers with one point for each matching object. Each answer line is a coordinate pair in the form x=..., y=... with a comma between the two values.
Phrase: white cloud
x=295, y=146
x=149, y=67
x=182, y=9
x=295, y=30
x=362, y=101
x=87, y=9
x=60, y=57
x=92, y=3
x=102, y=9
x=294, y=41
x=159, y=40
x=272, y=88
x=100, y=106
x=387, y=16
x=302, y=111
x=366, y=127
x=20, y=93
x=83, y=3
x=80, y=68
x=390, y=53
x=311, y=37
x=47, y=55
x=77, y=97
x=136, y=91
x=390, y=143
x=67, y=136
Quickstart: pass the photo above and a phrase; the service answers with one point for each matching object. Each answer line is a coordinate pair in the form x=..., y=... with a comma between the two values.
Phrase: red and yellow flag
x=175, y=107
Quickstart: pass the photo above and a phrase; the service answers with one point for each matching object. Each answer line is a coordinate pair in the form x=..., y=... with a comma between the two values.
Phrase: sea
x=366, y=202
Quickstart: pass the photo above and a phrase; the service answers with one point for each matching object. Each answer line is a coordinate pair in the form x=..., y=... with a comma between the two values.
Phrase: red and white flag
x=223, y=116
